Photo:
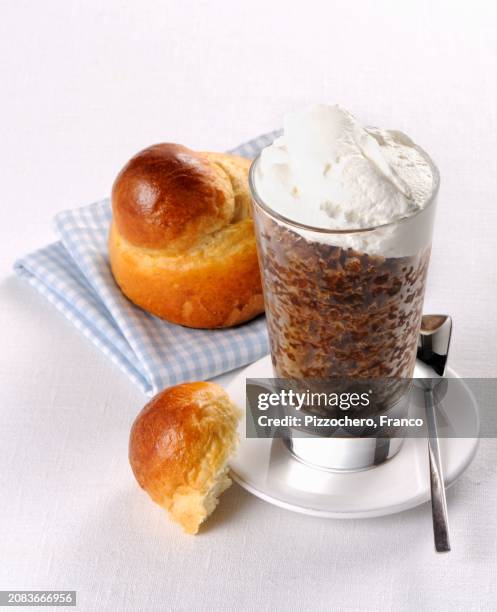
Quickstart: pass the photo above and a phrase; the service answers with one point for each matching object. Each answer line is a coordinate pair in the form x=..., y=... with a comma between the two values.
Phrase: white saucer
x=267, y=469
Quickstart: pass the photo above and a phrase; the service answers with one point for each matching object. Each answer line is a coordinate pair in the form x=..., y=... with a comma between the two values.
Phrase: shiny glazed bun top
x=152, y=197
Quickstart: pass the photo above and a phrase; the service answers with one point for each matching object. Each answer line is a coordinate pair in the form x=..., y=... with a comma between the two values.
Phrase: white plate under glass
x=267, y=469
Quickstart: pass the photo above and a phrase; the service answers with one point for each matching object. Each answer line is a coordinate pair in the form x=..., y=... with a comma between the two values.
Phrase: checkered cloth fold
x=74, y=275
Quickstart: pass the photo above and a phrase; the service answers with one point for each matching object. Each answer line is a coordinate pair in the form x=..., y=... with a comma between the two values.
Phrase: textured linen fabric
x=74, y=275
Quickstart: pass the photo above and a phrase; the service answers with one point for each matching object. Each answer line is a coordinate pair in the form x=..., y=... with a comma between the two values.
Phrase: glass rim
x=360, y=230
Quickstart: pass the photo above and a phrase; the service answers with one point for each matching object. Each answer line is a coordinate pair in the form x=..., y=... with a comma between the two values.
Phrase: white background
x=84, y=85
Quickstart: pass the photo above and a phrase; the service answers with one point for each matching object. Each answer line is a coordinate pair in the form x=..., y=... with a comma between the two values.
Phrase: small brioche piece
x=182, y=243
x=179, y=448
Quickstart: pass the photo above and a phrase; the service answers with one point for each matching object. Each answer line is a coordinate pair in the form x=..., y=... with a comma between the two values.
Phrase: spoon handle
x=438, y=499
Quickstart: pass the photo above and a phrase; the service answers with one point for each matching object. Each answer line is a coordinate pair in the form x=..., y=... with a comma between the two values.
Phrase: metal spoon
x=433, y=351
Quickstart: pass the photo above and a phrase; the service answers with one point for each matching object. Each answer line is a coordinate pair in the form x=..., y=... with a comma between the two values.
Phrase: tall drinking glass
x=345, y=303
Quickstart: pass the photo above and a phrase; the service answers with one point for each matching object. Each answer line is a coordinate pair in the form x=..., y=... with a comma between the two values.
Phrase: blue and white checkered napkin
x=74, y=275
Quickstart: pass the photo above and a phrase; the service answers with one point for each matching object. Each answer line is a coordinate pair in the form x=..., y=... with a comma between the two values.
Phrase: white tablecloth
x=84, y=86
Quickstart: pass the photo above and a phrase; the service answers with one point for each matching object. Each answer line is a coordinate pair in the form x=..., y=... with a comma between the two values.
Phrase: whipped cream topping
x=328, y=171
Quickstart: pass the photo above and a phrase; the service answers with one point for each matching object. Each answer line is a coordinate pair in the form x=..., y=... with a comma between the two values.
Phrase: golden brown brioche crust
x=182, y=244
x=168, y=192
x=179, y=447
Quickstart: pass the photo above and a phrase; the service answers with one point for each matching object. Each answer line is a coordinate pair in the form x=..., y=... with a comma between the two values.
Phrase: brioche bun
x=182, y=243
x=179, y=448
